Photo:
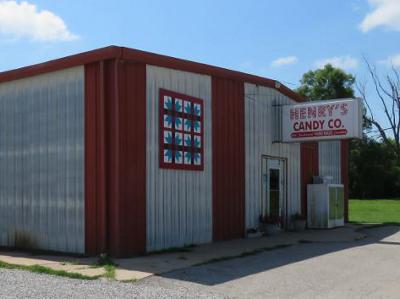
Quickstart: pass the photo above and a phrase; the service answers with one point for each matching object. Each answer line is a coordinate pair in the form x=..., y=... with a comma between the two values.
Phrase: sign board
x=322, y=120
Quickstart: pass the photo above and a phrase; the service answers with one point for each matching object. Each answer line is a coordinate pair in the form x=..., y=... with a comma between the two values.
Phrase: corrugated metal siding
x=329, y=160
x=259, y=134
x=179, y=203
x=228, y=159
x=42, y=162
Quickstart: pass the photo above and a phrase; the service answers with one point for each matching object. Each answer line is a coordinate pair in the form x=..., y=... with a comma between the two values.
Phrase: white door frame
x=269, y=162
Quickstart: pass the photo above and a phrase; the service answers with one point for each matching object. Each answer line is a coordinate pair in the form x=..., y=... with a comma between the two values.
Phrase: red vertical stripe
x=115, y=158
x=309, y=168
x=132, y=217
x=228, y=159
x=113, y=155
x=345, y=175
x=95, y=200
x=126, y=159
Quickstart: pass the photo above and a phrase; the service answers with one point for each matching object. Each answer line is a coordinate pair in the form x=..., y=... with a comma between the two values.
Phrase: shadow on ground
x=234, y=268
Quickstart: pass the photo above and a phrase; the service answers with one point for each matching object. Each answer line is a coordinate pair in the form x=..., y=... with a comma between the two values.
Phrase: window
x=181, y=131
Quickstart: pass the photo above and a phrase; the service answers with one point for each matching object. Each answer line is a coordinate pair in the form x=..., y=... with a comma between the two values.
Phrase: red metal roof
x=113, y=52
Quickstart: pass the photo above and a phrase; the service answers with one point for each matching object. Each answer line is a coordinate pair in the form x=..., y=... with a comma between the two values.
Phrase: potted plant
x=299, y=222
x=271, y=224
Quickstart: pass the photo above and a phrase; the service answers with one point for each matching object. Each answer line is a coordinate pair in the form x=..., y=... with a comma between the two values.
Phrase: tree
x=387, y=91
x=326, y=83
x=374, y=167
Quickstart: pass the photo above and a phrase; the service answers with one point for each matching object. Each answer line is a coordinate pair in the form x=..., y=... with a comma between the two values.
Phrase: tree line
x=374, y=165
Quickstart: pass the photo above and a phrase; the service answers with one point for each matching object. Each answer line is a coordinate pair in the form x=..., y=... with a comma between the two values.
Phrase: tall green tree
x=374, y=164
x=326, y=83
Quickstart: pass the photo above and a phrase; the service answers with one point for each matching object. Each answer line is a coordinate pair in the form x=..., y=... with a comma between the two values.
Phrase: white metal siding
x=42, y=161
x=179, y=203
x=259, y=135
x=329, y=160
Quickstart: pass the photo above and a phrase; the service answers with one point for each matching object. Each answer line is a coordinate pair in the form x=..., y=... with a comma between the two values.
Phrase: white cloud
x=391, y=61
x=385, y=13
x=343, y=62
x=24, y=20
x=284, y=61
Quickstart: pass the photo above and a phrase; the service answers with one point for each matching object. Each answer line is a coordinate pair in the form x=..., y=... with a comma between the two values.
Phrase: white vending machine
x=325, y=205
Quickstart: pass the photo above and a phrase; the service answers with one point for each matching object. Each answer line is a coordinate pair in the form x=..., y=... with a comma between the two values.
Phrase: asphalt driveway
x=367, y=268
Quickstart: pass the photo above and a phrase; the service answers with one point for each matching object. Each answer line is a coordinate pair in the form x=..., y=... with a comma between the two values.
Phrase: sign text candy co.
x=322, y=120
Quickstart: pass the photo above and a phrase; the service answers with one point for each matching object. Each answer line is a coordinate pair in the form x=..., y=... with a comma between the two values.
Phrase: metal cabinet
x=325, y=205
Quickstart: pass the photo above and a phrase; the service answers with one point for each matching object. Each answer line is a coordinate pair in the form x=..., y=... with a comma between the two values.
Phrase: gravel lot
x=366, y=268
x=22, y=284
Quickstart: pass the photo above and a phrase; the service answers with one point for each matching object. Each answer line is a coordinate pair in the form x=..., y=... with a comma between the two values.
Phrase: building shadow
x=215, y=273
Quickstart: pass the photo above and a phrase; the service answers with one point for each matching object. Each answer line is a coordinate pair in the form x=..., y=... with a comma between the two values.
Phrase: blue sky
x=276, y=39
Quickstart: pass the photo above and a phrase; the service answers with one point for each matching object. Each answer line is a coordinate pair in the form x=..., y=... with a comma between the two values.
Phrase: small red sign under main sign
x=319, y=133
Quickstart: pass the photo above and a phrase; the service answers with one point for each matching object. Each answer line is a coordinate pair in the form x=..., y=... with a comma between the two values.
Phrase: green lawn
x=375, y=211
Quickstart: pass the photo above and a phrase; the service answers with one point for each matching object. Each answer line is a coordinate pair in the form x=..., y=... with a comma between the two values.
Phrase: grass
x=110, y=271
x=103, y=262
x=45, y=270
x=377, y=211
x=134, y=280
x=109, y=266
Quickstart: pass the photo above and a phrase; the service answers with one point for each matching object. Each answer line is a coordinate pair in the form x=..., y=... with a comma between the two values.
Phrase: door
x=274, y=189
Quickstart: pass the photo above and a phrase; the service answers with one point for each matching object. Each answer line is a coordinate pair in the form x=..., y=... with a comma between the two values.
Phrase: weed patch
x=46, y=270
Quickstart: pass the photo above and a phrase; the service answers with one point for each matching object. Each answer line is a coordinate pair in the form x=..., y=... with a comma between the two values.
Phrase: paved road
x=369, y=268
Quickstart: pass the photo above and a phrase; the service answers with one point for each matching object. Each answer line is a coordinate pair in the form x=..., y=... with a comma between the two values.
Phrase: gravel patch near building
x=23, y=284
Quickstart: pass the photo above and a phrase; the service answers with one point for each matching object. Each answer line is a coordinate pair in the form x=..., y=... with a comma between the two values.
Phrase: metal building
x=123, y=152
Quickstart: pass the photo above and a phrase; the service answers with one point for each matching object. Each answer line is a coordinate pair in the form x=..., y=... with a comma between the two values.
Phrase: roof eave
x=113, y=52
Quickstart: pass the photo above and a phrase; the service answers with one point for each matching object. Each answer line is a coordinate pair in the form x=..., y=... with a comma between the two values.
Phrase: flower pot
x=299, y=225
x=272, y=229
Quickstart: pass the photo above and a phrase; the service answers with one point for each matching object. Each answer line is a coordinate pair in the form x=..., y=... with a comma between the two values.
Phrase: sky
x=275, y=39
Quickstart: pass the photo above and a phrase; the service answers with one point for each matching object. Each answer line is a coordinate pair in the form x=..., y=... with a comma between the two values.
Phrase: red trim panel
x=126, y=159
x=115, y=158
x=309, y=168
x=133, y=160
x=95, y=201
x=345, y=150
x=228, y=159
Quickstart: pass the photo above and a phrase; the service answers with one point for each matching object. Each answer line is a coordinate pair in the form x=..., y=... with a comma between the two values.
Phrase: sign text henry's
x=322, y=120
